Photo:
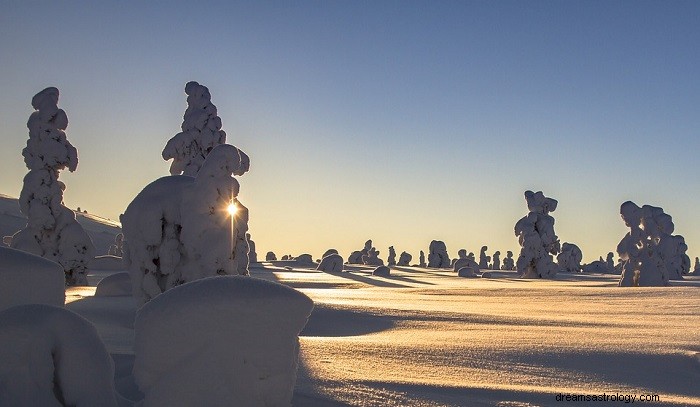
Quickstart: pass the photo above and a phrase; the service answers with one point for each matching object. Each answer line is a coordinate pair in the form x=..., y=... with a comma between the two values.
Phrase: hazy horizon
x=400, y=122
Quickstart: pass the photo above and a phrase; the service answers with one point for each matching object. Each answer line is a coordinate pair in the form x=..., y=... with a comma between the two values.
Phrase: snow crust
x=53, y=357
x=52, y=230
x=237, y=343
x=29, y=279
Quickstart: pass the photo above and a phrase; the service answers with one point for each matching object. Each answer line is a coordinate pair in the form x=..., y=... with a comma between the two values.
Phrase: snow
x=237, y=343
x=52, y=230
x=177, y=229
x=29, y=279
x=53, y=357
x=117, y=284
x=332, y=263
x=538, y=242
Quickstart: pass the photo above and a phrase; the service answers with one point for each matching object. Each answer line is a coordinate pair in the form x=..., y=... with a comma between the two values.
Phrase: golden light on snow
x=232, y=209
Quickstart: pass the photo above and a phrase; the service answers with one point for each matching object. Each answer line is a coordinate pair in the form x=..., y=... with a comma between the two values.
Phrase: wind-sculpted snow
x=52, y=231
x=178, y=228
x=237, y=343
x=536, y=236
x=201, y=132
x=52, y=357
x=651, y=255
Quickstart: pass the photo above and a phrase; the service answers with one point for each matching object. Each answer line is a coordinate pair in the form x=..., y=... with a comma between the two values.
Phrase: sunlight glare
x=232, y=209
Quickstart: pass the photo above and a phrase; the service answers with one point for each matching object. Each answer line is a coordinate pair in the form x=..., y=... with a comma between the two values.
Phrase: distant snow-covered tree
x=52, y=231
x=536, y=236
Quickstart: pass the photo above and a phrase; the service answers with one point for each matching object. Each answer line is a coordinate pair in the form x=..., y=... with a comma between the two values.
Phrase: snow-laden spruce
x=569, y=259
x=437, y=255
x=252, y=254
x=52, y=231
x=391, y=261
x=356, y=257
x=29, y=279
x=508, y=262
x=201, y=132
x=179, y=229
x=484, y=259
x=537, y=239
x=651, y=255
x=53, y=357
x=332, y=263
x=236, y=343
x=404, y=259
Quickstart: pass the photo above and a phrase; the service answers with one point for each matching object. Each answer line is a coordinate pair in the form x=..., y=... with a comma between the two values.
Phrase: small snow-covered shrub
x=52, y=357
x=29, y=279
x=237, y=343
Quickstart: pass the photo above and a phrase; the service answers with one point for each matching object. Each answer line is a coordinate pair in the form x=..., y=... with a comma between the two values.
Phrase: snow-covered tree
x=437, y=255
x=569, y=259
x=536, y=236
x=52, y=231
x=391, y=261
x=201, y=132
x=180, y=228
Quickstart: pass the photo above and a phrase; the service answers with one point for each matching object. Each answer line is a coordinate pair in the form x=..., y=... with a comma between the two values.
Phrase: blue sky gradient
x=400, y=121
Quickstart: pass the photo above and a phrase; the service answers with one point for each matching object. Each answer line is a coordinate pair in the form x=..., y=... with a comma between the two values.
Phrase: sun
x=232, y=209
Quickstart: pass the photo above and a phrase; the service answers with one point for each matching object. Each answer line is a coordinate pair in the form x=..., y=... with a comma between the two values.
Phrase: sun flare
x=232, y=209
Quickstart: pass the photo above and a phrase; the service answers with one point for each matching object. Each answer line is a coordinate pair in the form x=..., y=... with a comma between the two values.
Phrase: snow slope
x=101, y=230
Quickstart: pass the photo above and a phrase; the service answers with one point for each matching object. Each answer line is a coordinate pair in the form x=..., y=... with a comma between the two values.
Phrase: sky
x=396, y=121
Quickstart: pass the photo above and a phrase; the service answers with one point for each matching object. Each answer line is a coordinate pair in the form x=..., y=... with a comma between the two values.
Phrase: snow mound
x=53, y=357
x=115, y=285
x=29, y=279
x=382, y=271
x=467, y=272
x=332, y=263
x=237, y=343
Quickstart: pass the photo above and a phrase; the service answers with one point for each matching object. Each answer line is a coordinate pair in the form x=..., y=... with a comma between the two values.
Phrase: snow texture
x=270, y=256
x=404, y=259
x=201, y=133
x=237, y=343
x=178, y=229
x=252, y=255
x=391, y=261
x=536, y=236
x=569, y=259
x=437, y=256
x=29, y=279
x=114, y=285
x=52, y=357
x=332, y=263
x=651, y=255
x=52, y=231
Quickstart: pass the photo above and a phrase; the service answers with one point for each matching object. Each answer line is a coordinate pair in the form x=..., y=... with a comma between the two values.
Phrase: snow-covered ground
x=423, y=337
x=428, y=338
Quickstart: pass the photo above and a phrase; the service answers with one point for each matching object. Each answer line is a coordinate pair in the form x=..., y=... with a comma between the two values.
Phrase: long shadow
x=369, y=281
x=408, y=280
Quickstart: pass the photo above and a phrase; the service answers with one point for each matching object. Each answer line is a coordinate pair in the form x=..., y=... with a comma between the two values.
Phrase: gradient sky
x=400, y=121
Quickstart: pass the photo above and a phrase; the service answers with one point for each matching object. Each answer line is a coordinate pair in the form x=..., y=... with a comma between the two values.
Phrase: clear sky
x=399, y=121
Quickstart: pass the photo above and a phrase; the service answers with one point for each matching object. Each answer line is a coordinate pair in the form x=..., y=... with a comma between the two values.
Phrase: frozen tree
x=252, y=255
x=391, y=261
x=464, y=262
x=52, y=231
x=180, y=229
x=404, y=259
x=304, y=258
x=372, y=258
x=483, y=258
x=332, y=263
x=648, y=248
x=117, y=249
x=536, y=236
x=508, y=262
x=569, y=259
x=437, y=256
x=421, y=259
x=270, y=256
x=696, y=267
x=201, y=132
x=329, y=252
x=356, y=256
x=496, y=265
